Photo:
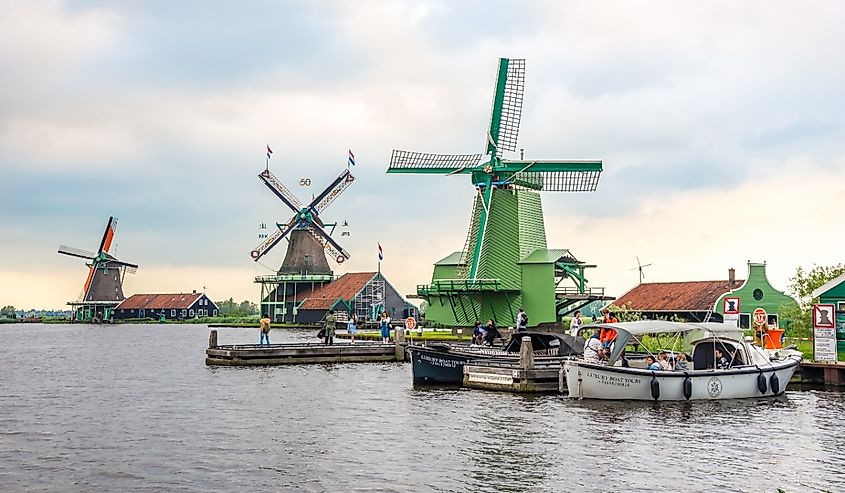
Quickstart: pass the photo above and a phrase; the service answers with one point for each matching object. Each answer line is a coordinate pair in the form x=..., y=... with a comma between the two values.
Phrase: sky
x=719, y=125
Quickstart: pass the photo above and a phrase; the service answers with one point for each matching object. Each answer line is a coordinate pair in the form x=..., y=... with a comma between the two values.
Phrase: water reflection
x=135, y=408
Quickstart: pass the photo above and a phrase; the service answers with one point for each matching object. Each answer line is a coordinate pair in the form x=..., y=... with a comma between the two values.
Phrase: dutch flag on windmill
x=351, y=158
x=269, y=151
x=380, y=253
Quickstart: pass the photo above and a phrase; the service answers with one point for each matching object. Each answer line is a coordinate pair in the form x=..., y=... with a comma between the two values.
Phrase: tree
x=8, y=311
x=800, y=319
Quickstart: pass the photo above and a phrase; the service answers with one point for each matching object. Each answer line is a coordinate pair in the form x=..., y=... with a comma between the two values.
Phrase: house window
x=184, y=313
x=191, y=312
x=744, y=320
x=215, y=313
x=172, y=312
x=841, y=306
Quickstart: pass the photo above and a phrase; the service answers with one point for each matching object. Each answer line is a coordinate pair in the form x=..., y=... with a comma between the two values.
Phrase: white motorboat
x=751, y=371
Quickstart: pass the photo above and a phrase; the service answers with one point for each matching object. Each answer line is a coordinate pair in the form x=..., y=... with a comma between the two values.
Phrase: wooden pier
x=828, y=374
x=509, y=375
x=300, y=353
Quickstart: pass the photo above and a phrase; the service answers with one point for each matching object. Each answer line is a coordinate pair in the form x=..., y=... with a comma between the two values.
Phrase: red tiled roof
x=159, y=301
x=345, y=287
x=689, y=296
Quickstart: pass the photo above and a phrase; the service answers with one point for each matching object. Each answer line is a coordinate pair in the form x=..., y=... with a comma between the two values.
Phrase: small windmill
x=640, y=267
x=309, y=241
x=507, y=219
x=103, y=288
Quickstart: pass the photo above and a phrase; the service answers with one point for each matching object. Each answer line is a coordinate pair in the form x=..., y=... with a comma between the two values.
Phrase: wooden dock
x=300, y=353
x=829, y=374
x=525, y=375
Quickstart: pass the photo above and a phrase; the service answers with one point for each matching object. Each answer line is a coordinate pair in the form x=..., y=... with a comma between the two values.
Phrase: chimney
x=731, y=275
x=195, y=291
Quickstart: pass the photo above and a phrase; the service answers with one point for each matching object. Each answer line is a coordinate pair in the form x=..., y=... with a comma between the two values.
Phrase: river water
x=134, y=408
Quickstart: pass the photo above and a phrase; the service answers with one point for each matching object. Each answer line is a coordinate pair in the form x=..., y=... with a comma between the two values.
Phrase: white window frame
x=215, y=313
x=172, y=312
x=184, y=313
x=191, y=312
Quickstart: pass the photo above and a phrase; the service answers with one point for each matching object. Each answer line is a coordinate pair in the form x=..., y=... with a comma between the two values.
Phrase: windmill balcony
x=446, y=286
x=574, y=293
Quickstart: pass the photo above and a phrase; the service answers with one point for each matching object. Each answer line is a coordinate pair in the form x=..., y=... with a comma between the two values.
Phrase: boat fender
x=655, y=387
x=775, y=383
x=762, y=385
x=687, y=388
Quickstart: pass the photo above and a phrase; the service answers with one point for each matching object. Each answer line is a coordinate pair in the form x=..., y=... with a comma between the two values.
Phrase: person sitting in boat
x=681, y=362
x=663, y=360
x=490, y=333
x=652, y=363
x=478, y=333
x=592, y=348
x=722, y=362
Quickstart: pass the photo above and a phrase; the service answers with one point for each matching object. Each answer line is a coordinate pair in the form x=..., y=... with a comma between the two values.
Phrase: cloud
x=158, y=113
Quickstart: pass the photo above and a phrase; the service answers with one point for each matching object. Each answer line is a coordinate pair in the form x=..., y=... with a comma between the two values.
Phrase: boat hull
x=594, y=381
x=434, y=366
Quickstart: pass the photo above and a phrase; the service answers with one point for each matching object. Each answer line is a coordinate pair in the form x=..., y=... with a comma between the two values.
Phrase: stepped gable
x=684, y=296
x=159, y=301
x=345, y=287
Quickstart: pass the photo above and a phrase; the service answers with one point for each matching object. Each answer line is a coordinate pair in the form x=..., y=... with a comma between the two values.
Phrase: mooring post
x=526, y=354
x=212, y=339
x=399, y=338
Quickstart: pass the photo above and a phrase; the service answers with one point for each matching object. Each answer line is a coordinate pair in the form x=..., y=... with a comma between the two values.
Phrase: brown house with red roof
x=693, y=301
x=362, y=293
x=176, y=306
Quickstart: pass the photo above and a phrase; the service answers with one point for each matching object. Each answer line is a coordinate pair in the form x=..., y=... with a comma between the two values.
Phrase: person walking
x=521, y=321
x=330, y=326
x=384, y=324
x=264, y=330
x=351, y=328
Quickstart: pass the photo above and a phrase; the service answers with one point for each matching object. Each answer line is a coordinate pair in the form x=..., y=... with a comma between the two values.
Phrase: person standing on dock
x=351, y=328
x=264, y=330
x=521, y=321
x=330, y=327
x=384, y=325
x=576, y=323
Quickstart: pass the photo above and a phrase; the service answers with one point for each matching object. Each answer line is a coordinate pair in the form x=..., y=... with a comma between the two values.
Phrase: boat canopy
x=625, y=330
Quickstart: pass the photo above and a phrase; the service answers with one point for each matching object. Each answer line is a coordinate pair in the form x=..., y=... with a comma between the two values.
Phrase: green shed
x=833, y=293
x=757, y=292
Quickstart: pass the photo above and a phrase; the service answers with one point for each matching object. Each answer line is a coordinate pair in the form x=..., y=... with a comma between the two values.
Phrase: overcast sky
x=719, y=125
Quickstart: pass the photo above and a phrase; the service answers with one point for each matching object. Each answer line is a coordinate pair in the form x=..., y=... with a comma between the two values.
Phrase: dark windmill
x=305, y=265
x=103, y=289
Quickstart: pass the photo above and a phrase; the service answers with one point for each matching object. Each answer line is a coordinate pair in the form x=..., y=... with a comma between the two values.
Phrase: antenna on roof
x=640, y=268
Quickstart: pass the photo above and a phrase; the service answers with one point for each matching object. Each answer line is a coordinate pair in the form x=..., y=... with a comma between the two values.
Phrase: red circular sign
x=410, y=323
x=760, y=317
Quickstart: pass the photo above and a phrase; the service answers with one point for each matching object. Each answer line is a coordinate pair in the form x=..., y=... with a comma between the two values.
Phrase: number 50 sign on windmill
x=504, y=264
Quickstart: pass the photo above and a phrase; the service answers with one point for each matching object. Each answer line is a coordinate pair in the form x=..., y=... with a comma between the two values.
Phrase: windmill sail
x=76, y=252
x=419, y=162
x=507, y=106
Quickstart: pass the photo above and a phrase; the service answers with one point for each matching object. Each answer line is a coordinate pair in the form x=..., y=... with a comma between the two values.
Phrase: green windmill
x=505, y=263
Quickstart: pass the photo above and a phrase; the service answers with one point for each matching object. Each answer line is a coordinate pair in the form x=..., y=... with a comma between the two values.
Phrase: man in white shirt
x=576, y=323
x=592, y=348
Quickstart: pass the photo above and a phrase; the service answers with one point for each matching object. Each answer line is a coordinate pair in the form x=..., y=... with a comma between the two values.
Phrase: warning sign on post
x=824, y=332
x=731, y=306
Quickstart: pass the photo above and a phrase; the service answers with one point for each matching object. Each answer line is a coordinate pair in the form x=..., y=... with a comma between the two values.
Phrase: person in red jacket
x=608, y=334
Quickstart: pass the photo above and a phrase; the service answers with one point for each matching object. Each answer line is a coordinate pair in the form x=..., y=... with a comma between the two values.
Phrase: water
x=134, y=408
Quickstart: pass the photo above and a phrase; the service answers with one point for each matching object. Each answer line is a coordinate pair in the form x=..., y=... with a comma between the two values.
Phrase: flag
x=269, y=151
x=351, y=158
x=380, y=253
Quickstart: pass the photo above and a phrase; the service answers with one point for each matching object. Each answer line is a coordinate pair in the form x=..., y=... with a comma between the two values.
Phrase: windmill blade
x=555, y=176
x=108, y=235
x=272, y=240
x=507, y=106
x=280, y=190
x=77, y=252
x=333, y=191
x=322, y=237
x=120, y=263
x=424, y=162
